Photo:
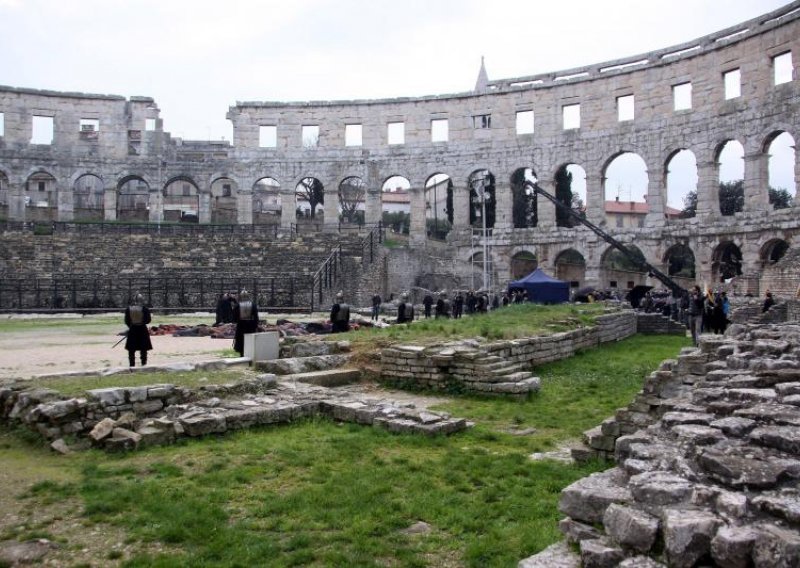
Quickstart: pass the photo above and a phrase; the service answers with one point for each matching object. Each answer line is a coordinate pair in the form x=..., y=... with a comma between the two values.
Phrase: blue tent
x=542, y=288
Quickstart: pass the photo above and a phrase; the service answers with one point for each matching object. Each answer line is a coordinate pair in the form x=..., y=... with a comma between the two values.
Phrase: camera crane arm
x=676, y=288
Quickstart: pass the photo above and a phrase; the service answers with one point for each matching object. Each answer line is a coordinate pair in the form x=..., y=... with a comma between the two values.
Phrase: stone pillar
x=504, y=205
x=288, y=208
x=16, y=201
x=592, y=275
x=244, y=208
x=331, y=207
x=708, y=190
x=545, y=209
x=756, y=182
x=156, y=205
x=204, y=207
x=656, y=195
x=373, y=206
x=66, y=204
x=595, y=198
x=110, y=204
x=460, y=207
x=417, y=231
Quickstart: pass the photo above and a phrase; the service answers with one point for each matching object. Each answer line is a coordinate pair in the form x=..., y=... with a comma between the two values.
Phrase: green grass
x=323, y=494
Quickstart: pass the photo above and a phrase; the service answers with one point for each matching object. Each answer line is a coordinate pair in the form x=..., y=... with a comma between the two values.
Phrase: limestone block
x=776, y=547
x=784, y=438
x=688, y=535
x=108, y=397
x=739, y=471
x=575, y=531
x=557, y=555
x=600, y=553
x=784, y=505
x=147, y=407
x=137, y=394
x=587, y=499
x=102, y=429
x=731, y=547
x=203, y=424
x=631, y=528
x=734, y=426
x=660, y=488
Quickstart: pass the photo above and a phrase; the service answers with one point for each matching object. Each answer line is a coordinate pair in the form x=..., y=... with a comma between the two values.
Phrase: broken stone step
x=330, y=378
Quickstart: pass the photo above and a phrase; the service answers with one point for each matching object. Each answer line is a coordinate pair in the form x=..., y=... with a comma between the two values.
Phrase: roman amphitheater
x=95, y=210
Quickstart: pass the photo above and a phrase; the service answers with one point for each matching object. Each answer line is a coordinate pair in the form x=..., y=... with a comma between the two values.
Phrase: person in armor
x=458, y=305
x=427, y=303
x=340, y=315
x=376, y=306
x=442, y=306
x=137, y=318
x=246, y=317
x=405, y=309
x=225, y=308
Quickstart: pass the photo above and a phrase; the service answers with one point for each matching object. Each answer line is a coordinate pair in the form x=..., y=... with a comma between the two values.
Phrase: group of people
x=705, y=312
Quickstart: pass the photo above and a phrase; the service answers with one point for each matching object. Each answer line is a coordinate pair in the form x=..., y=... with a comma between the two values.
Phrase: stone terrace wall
x=499, y=367
x=707, y=464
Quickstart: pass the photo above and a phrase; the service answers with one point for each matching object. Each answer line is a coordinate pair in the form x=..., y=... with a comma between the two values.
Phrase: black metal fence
x=96, y=228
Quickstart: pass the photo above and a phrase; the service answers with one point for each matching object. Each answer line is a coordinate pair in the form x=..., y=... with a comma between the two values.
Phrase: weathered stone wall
x=497, y=367
x=658, y=324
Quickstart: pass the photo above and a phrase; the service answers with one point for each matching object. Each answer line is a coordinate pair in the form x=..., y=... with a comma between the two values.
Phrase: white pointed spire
x=482, y=84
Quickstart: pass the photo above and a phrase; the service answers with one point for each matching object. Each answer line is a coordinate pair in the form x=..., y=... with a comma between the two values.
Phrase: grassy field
x=319, y=493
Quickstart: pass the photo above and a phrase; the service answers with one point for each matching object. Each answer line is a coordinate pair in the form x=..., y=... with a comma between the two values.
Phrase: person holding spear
x=137, y=318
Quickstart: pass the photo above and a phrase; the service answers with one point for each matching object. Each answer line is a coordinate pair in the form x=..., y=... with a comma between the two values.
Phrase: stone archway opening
x=680, y=264
x=730, y=160
x=224, y=193
x=522, y=264
x=726, y=262
x=781, y=168
x=396, y=204
x=482, y=199
x=309, y=200
x=524, y=212
x=619, y=271
x=88, y=198
x=438, y=206
x=682, y=178
x=133, y=199
x=571, y=267
x=41, y=197
x=352, y=199
x=4, y=194
x=570, y=189
x=181, y=200
x=772, y=251
x=266, y=201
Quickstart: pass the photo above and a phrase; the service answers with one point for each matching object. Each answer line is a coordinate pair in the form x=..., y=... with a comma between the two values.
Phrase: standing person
x=471, y=301
x=458, y=305
x=137, y=318
x=481, y=303
x=246, y=317
x=769, y=301
x=695, y=312
x=340, y=315
x=442, y=306
x=427, y=303
x=405, y=309
x=726, y=310
x=376, y=306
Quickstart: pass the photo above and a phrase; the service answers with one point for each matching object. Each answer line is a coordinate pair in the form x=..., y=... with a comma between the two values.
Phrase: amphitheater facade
x=111, y=160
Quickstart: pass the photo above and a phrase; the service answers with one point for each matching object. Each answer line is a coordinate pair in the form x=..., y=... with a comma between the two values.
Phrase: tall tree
x=351, y=196
x=780, y=198
x=564, y=195
x=731, y=197
x=689, y=205
x=311, y=190
x=523, y=208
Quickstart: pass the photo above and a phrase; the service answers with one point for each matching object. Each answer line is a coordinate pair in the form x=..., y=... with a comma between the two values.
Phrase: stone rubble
x=707, y=462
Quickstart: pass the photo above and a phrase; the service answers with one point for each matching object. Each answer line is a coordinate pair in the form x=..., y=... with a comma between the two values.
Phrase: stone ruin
x=707, y=462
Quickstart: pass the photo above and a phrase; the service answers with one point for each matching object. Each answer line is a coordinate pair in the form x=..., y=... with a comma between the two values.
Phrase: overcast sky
x=198, y=57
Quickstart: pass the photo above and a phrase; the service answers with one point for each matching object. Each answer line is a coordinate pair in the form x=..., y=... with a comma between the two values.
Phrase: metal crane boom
x=676, y=288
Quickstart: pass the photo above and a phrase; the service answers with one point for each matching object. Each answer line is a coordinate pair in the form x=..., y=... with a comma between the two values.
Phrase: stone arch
x=680, y=261
x=88, y=193
x=396, y=203
x=681, y=178
x=41, y=195
x=482, y=197
x=726, y=261
x=4, y=187
x=266, y=201
x=523, y=263
x=224, y=192
x=438, y=205
x=772, y=251
x=570, y=266
x=779, y=146
x=625, y=178
x=729, y=158
x=352, y=200
x=524, y=212
x=570, y=189
x=309, y=199
x=133, y=198
x=618, y=271
x=181, y=199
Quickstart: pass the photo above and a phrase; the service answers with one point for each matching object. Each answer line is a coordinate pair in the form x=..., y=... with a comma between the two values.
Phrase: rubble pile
x=710, y=477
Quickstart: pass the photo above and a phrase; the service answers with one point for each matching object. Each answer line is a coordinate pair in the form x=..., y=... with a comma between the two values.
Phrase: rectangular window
x=782, y=64
x=439, y=130
x=89, y=125
x=2, y=124
x=187, y=190
x=733, y=84
x=571, y=116
x=149, y=124
x=620, y=221
x=42, y=130
x=481, y=121
x=396, y=132
x=353, y=135
x=525, y=122
x=267, y=136
x=310, y=136
x=682, y=96
x=42, y=186
x=226, y=190
x=625, y=108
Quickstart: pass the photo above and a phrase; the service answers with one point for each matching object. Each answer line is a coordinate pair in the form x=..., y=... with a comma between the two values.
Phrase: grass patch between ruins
x=318, y=493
